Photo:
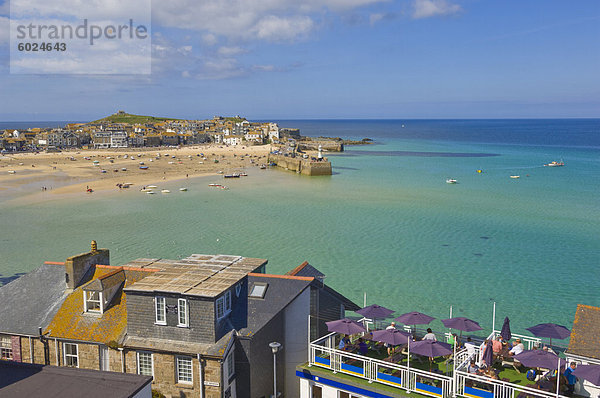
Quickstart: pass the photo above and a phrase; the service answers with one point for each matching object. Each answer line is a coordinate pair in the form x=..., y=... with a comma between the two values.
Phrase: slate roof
x=32, y=300
x=27, y=380
x=181, y=347
x=70, y=322
x=282, y=290
x=585, y=340
x=305, y=269
x=197, y=275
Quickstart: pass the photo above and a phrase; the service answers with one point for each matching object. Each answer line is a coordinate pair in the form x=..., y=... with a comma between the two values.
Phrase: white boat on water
x=451, y=181
x=150, y=192
x=151, y=186
x=515, y=177
x=555, y=164
x=183, y=189
x=165, y=191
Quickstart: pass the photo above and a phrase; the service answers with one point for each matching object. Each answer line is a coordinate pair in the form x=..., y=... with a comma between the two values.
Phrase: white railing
x=475, y=386
x=374, y=370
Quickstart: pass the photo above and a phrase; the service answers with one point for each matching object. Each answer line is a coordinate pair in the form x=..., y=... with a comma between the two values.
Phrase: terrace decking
x=442, y=378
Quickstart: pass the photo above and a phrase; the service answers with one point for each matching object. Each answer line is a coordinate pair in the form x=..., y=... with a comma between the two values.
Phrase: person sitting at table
x=363, y=348
x=390, y=349
x=497, y=345
x=549, y=349
x=344, y=343
x=473, y=368
x=517, y=348
x=429, y=335
x=471, y=348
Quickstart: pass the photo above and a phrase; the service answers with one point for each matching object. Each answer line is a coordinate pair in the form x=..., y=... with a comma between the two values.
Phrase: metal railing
x=323, y=354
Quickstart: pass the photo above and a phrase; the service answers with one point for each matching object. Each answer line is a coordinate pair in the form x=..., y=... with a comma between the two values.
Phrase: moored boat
x=183, y=189
x=555, y=164
x=451, y=181
x=165, y=191
x=515, y=176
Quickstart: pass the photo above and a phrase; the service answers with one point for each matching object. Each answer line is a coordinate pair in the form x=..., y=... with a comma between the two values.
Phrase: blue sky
x=284, y=59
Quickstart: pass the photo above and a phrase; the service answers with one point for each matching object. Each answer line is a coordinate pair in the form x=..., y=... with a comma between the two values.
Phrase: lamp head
x=275, y=346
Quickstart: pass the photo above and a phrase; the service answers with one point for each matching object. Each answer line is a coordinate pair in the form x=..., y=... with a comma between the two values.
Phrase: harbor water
x=385, y=223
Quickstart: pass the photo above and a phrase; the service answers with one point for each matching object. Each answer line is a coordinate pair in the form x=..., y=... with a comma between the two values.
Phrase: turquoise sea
x=386, y=223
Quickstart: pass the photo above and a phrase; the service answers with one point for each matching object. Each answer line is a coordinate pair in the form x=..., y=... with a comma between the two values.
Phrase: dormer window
x=93, y=301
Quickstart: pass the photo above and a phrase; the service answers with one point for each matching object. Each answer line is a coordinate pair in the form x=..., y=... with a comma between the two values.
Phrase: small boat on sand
x=151, y=186
x=451, y=181
x=165, y=191
x=214, y=185
x=143, y=167
x=11, y=172
x=150, y=192
x=234, y=175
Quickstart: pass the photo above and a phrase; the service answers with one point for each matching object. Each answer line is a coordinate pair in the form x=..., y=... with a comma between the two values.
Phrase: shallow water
x=385, y=223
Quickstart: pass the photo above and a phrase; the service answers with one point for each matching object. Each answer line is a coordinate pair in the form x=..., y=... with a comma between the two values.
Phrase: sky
x=320, y=59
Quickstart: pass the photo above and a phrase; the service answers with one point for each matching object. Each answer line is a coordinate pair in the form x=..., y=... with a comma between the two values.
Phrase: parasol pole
x=408, y=358
x=365, y=300
x=558, y=378
x=494, y=318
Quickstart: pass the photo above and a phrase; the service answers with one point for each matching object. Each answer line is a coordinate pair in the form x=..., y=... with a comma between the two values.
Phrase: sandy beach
x=74, y=171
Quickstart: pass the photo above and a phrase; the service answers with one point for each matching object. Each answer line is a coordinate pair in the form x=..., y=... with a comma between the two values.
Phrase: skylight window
x=258, y=290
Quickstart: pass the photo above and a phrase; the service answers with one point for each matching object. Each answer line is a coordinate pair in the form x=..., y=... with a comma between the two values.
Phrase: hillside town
x=139, y=132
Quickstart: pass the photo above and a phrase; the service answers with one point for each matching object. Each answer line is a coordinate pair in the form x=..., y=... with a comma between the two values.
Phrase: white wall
x=296, y=339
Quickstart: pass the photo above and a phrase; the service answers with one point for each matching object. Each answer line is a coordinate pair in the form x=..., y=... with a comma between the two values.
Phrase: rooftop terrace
x=197, y=275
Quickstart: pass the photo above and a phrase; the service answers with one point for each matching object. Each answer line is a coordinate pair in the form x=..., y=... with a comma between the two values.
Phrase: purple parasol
x=550, y=330
x=488, y=354
x=345, y=326
x=539, y=359
x=391, y=336
x=461, y=323
x=414, y=318
x=589, y=372
x=430, y=348
x=505, y=332
x=375, y=311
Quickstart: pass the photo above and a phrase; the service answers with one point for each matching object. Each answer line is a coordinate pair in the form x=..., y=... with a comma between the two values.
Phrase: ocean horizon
x=385, y=224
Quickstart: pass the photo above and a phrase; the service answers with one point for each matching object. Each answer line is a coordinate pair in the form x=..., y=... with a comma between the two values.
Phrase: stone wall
x=302, y=166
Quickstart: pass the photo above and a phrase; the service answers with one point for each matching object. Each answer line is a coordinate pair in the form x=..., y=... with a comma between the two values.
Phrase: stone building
x=200, y=326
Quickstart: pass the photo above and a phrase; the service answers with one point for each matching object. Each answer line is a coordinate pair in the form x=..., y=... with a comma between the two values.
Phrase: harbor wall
x=303, y=166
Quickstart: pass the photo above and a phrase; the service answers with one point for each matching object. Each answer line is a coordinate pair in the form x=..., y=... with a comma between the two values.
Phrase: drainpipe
x=122, y=359
x=56, y=352
x=30, y=350
x=201, y=369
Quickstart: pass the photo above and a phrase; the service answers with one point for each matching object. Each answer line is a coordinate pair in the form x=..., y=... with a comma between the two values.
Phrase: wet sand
x=74, y=171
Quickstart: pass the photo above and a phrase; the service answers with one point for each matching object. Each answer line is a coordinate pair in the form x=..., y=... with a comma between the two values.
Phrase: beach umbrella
x=391, y=336
x=488, y=354
x=375, y=311
x=505, y=332
x=430, y=348
x=589, y=372
x=461, y=323
x=414, y=318
x=550, y=330
x=539, y=359
x=345, y=326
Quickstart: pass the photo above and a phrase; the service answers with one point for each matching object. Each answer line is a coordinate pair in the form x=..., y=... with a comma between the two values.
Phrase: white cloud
x=4, y=30
x=210, y=39
x=230, y=51
x=273, y=28
x=432, y=8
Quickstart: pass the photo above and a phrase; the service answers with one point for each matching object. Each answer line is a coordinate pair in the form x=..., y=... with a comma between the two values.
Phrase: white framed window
x=161, y=310
x=104, y=359
x=184, y=370
x=223, y=305
x=93, y=301
x=145, y=365
x=182, y=313
x=230, y=364
x=6, y=348
x=71, y=354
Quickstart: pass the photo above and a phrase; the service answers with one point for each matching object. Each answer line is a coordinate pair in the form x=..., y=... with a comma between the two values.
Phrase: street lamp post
x=275, y=346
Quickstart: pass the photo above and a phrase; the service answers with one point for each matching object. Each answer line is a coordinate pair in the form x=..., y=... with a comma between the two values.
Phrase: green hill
x=132, y=119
